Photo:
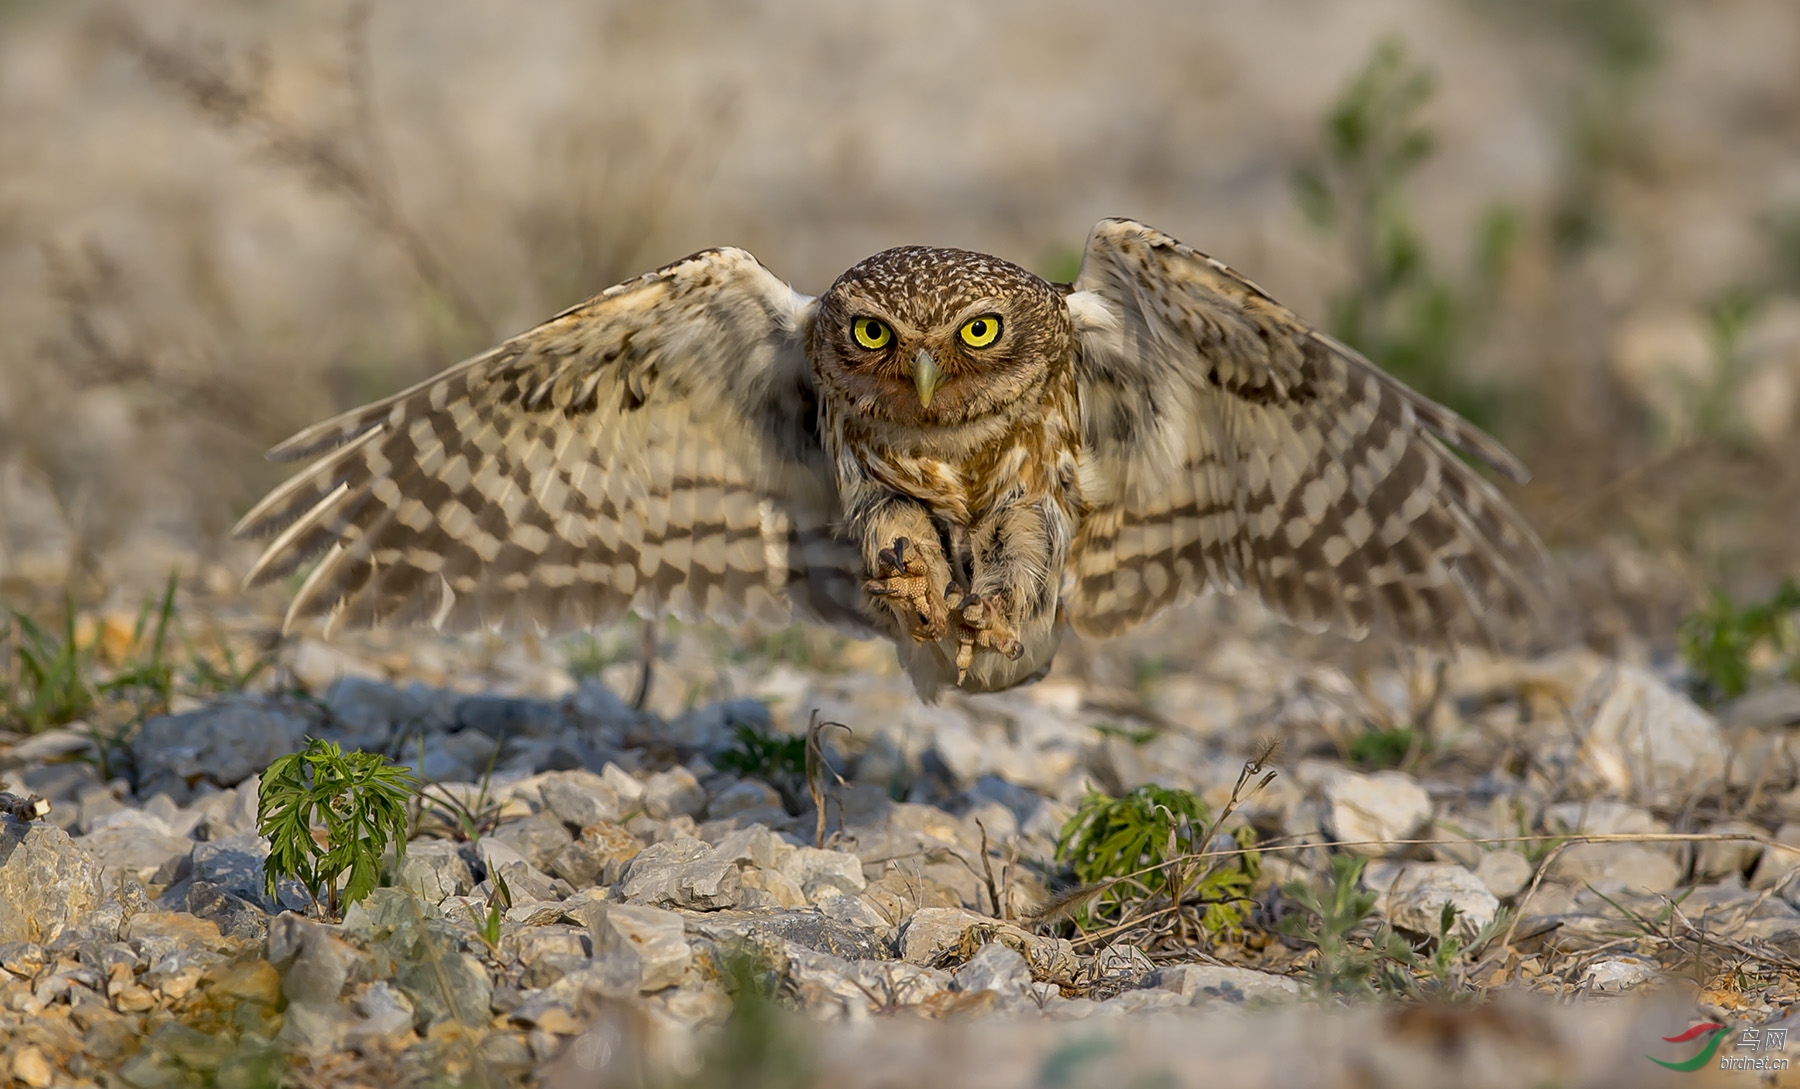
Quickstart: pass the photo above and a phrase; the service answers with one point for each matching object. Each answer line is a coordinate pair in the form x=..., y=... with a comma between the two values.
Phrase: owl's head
x=927, y=337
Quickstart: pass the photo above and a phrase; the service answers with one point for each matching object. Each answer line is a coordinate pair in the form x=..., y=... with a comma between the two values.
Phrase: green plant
x=776, y=759
x=1397, y=308
x=1728, y=646
x=50, y=678
x=1359, y=957
x=487, y=923
x=358, y=798
x=1149, y=844
x=1377, y=749
x=46, y=681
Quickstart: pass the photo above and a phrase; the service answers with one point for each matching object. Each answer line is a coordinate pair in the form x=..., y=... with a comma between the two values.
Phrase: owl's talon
x=903, y=580
x=981, y=622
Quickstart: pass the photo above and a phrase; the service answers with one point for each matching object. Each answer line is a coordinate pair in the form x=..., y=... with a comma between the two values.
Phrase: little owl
x=943, y=449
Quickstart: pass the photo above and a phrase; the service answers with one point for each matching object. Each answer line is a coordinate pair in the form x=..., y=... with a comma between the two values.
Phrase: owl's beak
x=927, y=377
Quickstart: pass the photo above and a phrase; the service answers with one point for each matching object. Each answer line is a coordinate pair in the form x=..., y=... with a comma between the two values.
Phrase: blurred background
x=1576, y=221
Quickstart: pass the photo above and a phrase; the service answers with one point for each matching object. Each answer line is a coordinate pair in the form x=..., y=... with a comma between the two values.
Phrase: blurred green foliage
x=773, y=759
x=1730, y=647
x=1379, y=749
x=1398, y=309
x=1360, y=957
x=1158, y=831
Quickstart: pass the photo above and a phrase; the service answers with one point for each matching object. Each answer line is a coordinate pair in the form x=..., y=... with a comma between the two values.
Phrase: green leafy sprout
x=1730, y=647
x=775, y=759
x=1361, y=958
x=1147, y=844
x=360, y=800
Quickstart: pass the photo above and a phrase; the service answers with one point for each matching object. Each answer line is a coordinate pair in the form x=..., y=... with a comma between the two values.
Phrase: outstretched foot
x=903, y=578
x=981, y=622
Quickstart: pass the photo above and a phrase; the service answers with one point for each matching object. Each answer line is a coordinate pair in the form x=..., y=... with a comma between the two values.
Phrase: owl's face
x=929, y=338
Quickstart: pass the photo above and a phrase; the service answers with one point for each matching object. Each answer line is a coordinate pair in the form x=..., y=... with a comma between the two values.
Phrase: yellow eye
x=871, y=333
x=981, y=332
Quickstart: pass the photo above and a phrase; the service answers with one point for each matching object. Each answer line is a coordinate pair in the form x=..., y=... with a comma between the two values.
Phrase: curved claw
x=903, y=579
x=981, y=622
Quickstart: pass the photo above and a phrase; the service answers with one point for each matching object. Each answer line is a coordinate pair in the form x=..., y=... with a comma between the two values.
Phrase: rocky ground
x=670, y=917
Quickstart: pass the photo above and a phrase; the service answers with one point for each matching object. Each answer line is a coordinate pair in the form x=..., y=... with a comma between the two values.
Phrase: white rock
x=580, y=798
x=1726, y=857
x=994, y=967
x=1382, y=807
x=673, y=793
x=1619, y=974
x=1413, y=895
x=1778, y=865
x=1642, y=739
x=685, y=873
x=1506, y=873
x=813, y=869
x=652, y=941
x=1218, y=983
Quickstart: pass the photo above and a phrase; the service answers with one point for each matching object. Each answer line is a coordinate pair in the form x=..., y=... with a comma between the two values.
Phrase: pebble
x=684, y=873
x=1365, y=812
x=47, y=883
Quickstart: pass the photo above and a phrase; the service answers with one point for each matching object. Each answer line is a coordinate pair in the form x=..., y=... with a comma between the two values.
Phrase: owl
x=943, y=450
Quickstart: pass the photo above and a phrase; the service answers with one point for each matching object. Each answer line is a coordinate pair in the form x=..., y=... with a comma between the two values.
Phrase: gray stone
x=814, y=869
x=1620, y=973
x=1364, y=812
x=234, y=915
x=1617, y=867
x=994, y=967
x=682, y=873
x=744, y=796
x=850, y=908
x=673, y=793
x=538, y=945
x=756, y=845
x=580, y=798
x=234, y=864
x=506, y=716
x=382, y=1012
x=645, y=945
x=842, y=987
x=224, y=743
x=601, y=708
x=1505, y=872
x=435, y=870
x=1412, y=895
x=315, y=964
x=1206, y=983
x=229, y=812
x=523, y=880
x=538, y=838
x=932, y=932
x=46, y=882
x=597, y=856
x=715, y=725
x=56, y=744
x=366, y=713
x=800, y=929
x=1778, y=865
x=627, y=786
x=138, y=847
x=1730, y=858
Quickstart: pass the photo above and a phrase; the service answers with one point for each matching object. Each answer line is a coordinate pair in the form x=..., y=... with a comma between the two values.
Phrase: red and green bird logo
x=1710, y=1030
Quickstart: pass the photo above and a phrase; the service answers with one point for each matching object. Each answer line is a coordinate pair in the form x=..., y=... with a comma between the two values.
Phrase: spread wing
x=1229, y=445
x=651, y=449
